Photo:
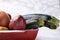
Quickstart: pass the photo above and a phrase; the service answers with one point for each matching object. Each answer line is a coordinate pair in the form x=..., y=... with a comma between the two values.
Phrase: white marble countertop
x=48, y=34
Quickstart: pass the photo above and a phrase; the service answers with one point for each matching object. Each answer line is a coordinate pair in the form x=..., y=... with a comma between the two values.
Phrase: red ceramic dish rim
x=19, y=30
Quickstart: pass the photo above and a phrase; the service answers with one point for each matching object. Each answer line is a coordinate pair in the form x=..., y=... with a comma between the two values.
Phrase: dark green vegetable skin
x=35, y=24
x=32, y=25
x=53, y=23
x=47, y=21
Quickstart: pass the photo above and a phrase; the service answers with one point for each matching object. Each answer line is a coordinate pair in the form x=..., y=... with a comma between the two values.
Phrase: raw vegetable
x=54, y=23
x=41, y=22
x=3, y=28
x=4, y=19
x=33, y=24
x=18, y=23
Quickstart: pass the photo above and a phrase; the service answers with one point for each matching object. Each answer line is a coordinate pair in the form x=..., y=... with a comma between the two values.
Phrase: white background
x=23, y=7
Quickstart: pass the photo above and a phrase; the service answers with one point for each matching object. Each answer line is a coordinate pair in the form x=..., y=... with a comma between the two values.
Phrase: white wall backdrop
x=30, y=6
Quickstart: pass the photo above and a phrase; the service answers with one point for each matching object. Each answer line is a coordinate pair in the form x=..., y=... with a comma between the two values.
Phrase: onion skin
x=4, y=19
x=18, y=24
